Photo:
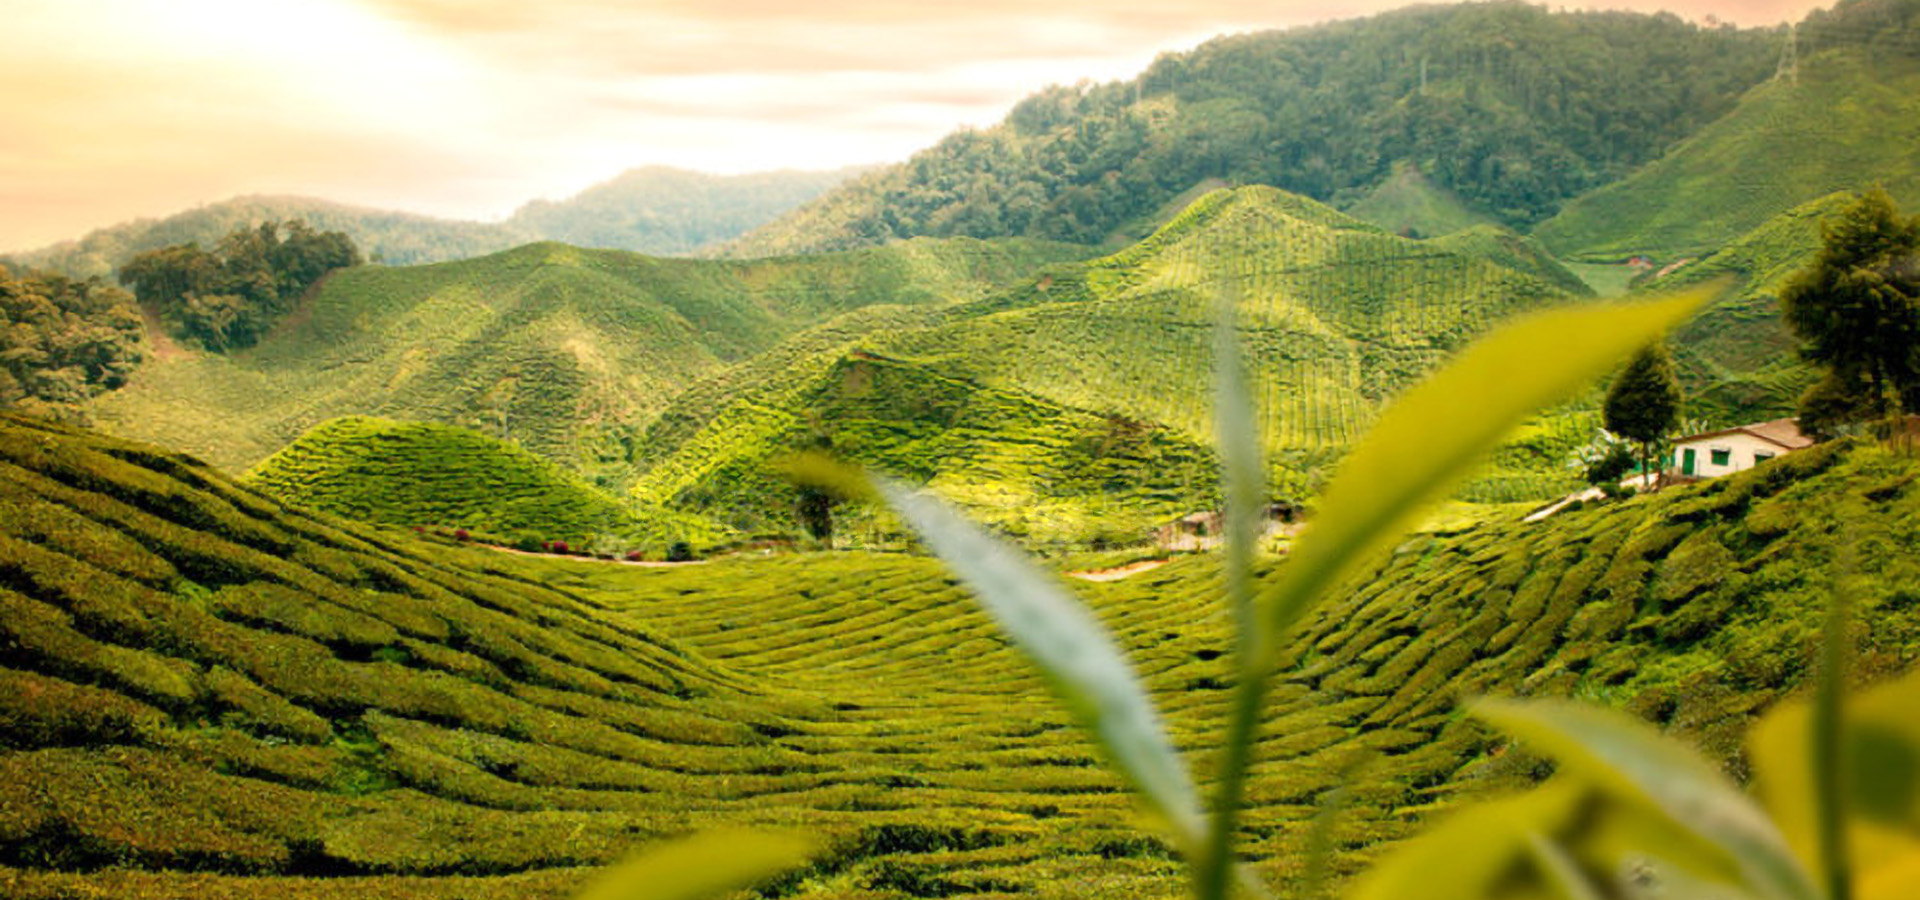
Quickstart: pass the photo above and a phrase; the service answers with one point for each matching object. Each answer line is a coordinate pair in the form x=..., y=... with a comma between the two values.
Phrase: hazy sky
x=111, y=109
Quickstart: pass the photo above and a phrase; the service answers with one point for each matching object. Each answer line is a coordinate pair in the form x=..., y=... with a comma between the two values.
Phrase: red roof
x=1780, y=432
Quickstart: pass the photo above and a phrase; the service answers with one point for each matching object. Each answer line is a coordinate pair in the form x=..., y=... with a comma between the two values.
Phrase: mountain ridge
x=1510, y=107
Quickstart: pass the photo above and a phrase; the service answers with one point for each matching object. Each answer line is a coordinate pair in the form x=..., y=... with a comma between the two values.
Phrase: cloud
x=117, y=108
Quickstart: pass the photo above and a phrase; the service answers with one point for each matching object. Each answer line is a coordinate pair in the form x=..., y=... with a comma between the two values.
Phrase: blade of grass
x=1072, y=651
x=700, y=866
x=1829, y=721
x=1435, y=433
x=1632, y=762
x=1243, y=482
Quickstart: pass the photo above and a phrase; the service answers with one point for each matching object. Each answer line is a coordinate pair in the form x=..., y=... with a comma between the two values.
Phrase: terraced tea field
x=452, y=480
x=1076, y=406
x=209, y=694
x=563, y=349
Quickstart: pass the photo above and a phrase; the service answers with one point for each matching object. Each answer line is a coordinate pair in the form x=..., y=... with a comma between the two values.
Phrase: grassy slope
x=1845, y=126
x=1339, y=316
x=1408, y=203
x=1516, y=252
x=1738, y=361
x=416, y=473
x=211, y=696
x=562, y=349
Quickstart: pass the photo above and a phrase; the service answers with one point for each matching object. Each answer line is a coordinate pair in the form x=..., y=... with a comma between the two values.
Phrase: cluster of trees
x=1856, y=309
x=1513, y=108
x=226, y=298
x=63, y=341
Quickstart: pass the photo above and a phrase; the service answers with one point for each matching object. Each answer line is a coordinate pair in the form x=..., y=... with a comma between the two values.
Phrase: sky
x=114, y=109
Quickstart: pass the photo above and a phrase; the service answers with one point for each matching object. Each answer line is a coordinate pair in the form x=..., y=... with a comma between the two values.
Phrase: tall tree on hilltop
x=1643, y=404
x=1856, y=307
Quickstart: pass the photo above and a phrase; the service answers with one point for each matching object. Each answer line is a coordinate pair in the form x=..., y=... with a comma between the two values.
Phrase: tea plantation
x=211, y=694
x=454, y=480
x=565, y=350
x=1075, y=406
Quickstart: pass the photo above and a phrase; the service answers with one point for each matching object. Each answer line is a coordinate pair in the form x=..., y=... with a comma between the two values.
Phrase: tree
x=1856, y=308
x=814, y=504
x=1644, y=402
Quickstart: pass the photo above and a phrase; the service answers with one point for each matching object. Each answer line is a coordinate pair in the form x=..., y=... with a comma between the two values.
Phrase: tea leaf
x=1631, y=762
x=1478, y=851
x=1435, y=433
x=1071, y=649
x=1880, y=753
x=700, y=866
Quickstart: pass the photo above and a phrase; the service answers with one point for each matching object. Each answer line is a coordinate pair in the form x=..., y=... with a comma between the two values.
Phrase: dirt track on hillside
x=1118, y=572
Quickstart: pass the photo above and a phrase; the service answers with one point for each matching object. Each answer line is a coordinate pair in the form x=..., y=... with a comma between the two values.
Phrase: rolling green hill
x=1506, y=107
x=1521, y=254
x=663, y=211
x=1408, y=203
x=1336, y=315
x=561, y=349
x=1039, y=470
x=1852, y=120
x=211, y=695
x=1116, y=353
x=415, y=473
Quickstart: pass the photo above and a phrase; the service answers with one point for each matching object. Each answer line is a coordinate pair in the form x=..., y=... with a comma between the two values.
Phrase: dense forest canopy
x=63, y=341
x=1511, y=107
x=226, y=298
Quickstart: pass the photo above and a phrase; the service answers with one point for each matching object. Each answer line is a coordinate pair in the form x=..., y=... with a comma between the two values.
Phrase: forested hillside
x=227, y=297
x=1849, y=121
x=561, y=349
x=1507, y=107
x=671, y=212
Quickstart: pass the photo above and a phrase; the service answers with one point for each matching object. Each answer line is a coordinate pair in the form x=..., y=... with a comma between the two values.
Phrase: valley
x=372, y=713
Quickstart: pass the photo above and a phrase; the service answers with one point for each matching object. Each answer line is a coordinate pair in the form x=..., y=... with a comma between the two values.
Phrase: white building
x=1736, y=449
